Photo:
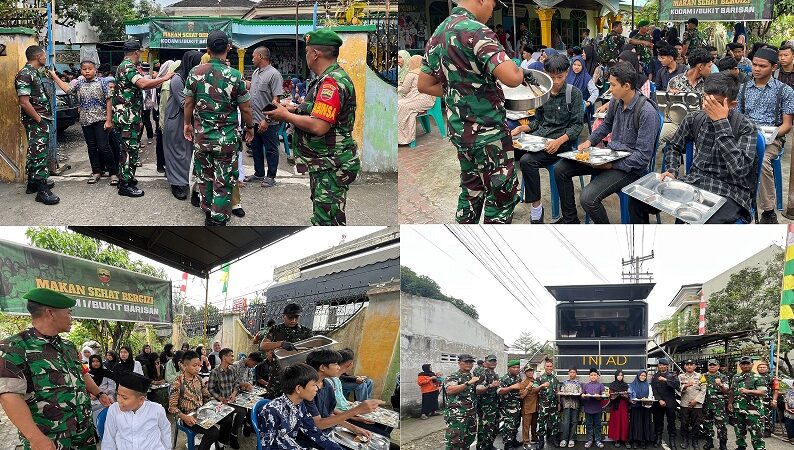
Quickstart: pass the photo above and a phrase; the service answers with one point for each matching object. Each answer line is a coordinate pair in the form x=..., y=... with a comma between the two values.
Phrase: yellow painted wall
x=13, y=142
x=353, y=58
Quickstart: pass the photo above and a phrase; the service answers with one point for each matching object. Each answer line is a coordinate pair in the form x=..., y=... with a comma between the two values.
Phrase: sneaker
x=768, y=217
x=424, y=417
x=588, y=444
x=571, y=443
x=600, y=444
x=563, y=443
x=251, y=178
x=268, y=182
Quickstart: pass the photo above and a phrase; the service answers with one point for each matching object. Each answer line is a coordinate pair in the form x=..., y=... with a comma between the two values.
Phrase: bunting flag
x=787, y=293
x=225, y=278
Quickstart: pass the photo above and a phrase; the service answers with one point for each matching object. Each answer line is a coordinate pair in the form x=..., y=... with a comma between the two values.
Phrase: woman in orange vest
x=429, y=385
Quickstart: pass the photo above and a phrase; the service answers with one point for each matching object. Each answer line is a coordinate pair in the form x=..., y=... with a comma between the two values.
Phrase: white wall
x=81, y=33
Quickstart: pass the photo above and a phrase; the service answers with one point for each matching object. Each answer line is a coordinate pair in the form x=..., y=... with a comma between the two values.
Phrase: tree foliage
x=425, y=286
x=108, y=18
x=528, y=345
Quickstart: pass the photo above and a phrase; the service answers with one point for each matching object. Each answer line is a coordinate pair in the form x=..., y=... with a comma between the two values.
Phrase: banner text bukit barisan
x=93, y=292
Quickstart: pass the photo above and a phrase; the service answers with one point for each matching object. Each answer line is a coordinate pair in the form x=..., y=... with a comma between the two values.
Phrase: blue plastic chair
x=777, y=171
x=100, y=422
x=189, y=434
x=437, y=114
x=282, y=133
x=255, y=420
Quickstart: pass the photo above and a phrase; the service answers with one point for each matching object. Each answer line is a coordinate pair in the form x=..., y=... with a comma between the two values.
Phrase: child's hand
x=189, y=420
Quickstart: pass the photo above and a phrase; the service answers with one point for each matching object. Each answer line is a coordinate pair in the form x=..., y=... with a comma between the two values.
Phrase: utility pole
x=634, y=263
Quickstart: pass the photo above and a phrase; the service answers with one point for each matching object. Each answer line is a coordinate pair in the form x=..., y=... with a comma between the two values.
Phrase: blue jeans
x=568, y=427
x=265, y=147
x=362, y=391
x=593, y=424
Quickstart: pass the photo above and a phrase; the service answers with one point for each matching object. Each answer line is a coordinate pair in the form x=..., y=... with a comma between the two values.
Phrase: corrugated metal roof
x=354, y=262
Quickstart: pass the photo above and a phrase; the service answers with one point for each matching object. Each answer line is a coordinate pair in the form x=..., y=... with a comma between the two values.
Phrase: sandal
x=114, y=180
x=94, y=178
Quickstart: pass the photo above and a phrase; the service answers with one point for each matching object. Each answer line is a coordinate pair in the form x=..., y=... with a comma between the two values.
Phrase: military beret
x=513, y=362
x=689, y=361
x=692, y=20
x=490, y=358
x=465, y=357
x=746, y=360
x=479, y=361
x=49, y=298
x=293, y=309
x=132, y=45
x=643, y=23
x=133, y=381
x=663, y=361
x=323, y=36
x=714, y=362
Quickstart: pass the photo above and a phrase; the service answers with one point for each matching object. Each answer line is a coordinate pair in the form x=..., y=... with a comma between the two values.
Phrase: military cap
x=133, y=381
x=49, y=298
x=663, y=361
x=293, y=309
x=323, y=36
x=513, y=362
x=689, y=361
x=480, y=362
x=746, y=360
x=465, y=357
x=490, y=358
x=528, y=369
x=643, y=23
x=217, y=41
x=714, y=362
x=132, y=45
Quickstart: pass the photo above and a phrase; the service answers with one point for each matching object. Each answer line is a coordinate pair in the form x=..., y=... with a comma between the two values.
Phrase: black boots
x=685, y=442
x=194, y=199
x=541, y=443
x=723, y=444
x=695, y=442
x=671, y=442
x=658, y=442
x=179, y=192
x=708, y=445
x=44, y=194
x=554, y=441
x=31, y=186
x=128, y=189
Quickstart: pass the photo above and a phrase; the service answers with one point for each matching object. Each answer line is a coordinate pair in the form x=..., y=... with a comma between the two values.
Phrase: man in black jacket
x=664, y=384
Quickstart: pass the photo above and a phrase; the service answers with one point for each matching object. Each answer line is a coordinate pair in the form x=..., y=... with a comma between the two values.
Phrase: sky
x=682, y=255
x=247, y=275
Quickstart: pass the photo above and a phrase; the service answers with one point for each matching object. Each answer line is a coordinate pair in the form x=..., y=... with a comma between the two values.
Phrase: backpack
x=778, y=102
x=700, y=120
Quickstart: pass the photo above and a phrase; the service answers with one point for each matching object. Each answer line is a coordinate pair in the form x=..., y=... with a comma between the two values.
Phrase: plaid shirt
x=553, y=119
x=224, y=382
x=187, y=395
x=724, y=163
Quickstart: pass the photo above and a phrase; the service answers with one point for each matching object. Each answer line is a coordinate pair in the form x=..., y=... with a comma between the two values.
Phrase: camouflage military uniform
x=47, y=371
x=476, y=116
x=609, y=49
x=747, y=409
x=548, y=420
x=29, y=82
x=487, y=409
x=644, y=53
x=767, y=414
x=331, y=159
x=510, y=409
x=217, y=90
x=460, y=414
x=714, y=408
x=277, y=333
x=127, y=122
x=694, y=39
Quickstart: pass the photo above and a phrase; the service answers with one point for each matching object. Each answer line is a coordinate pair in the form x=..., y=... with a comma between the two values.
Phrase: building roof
x=684, y=344
x=601, y=292
x=212, y=4
x=291, y=3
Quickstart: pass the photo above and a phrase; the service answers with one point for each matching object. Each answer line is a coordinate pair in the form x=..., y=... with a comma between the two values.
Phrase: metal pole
x=297, y=56
x=515, y=30
x=632, y=14
x=206, y=306
x=52, y=150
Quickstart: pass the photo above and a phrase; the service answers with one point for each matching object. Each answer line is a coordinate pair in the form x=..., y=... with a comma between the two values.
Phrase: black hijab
x=168, y=353
x=99, y=374
x=177, y=357
x=590, y=62
x=190, y=59
x=618, y=386
x=631, y=58
x=129, y=364
x=110, y=365
x=426, y=371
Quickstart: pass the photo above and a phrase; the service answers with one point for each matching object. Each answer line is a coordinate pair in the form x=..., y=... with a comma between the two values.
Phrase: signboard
x=715, y=10
x=184, y=34
x=609, y=363
x=102, y=292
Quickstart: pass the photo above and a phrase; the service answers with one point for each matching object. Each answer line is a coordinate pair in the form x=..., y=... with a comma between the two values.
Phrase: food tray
x=257, y=391
x=681, y=200
x=290, y=358
x=570, y=394
x=155, y=387
x=645, y=400
x=600, y=115
x=598, y=156
x=518, y=115
x=246, y=400
x=594, y=396
x=348, y=440
x=770, y=133
x=529, y=143
x=211, y=413
x=381, y=415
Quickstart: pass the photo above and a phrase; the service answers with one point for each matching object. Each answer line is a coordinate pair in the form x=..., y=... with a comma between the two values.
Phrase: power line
x=577, y=254
x=528, y=291
x=416, y=230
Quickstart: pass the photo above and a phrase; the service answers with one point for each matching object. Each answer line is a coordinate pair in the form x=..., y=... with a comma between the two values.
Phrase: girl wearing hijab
x=402, y=61
x=172, y=367
x=429, y=385
x=411, y=103
x=111, y=359
x=167, y=353
x=177, y=150
x=126, y=362
x=206, y=367
x=640, y=429
x=619, y=414
x=105, y=379
x=87, y=353
x=147, y=358
x=578, y=77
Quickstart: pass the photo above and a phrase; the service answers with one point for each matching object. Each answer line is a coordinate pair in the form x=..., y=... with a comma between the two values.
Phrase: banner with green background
x=184, y=33
x=102, y=292
x=715, y=10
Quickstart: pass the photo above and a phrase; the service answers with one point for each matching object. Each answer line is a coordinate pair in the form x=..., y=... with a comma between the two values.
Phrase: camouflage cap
x=746, y=360
x=490, y=358
x=465, y=357
x=323, y=36
x=49, y=298
x=714, y=362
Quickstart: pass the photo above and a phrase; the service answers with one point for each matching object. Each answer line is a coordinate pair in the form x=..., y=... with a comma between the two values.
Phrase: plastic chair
x=100, y=422
x=255, y=420
x=190, y=434
x=777, y=171
x=282, y=133
x=437, y=114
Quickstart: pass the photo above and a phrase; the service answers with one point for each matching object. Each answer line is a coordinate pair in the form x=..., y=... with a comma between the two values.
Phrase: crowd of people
x=739, y=91
x=480, y=405
x=199, y=111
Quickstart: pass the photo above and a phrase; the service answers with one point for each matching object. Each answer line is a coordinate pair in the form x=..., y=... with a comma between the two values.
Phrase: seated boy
x=360, y=385
x=133, y=422
x=226, y=381
x=725, y=161
x=342, y=404
x=632, y=130
x=282, y=418
x=560, y=120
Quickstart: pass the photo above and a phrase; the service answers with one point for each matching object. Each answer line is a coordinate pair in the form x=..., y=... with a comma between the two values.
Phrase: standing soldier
x=487, y=403
x=769, y=407
x=714, y=408
x=548, y=403
x=461, y=415
x=213, y=93
x=463, y=61
x=693, y=395
x=510, y=416
x=324, y=126
x=43, y=389
x=692, y=38
x=283, y=336
x=643, y=41
x=610, y=47
x=745, y=401
x=36, y=114
x=128, y=113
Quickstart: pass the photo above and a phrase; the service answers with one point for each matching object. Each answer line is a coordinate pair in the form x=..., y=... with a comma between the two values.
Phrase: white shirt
x=148, y=428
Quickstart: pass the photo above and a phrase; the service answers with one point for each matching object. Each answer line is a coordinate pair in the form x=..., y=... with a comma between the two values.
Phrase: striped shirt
x=187, y=395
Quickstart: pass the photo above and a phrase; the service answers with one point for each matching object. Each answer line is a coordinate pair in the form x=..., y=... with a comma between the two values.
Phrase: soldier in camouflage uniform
x=324, y=127
x=213, y=94
x=36, y=114
x=692, y=38
x=610, y=47
x=42, y=385
x=769, y=423
x=717, y=385
x=510, y=408
x=548, y=419
x=462, y=62
x=283, y=336
x=127, y=114
x=460, y=414
x=487, y=403
x=745, y=401
x=643, y=44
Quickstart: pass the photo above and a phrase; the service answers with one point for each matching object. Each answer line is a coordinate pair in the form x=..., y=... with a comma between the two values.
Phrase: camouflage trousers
x=130, y=137
x=461, y=431
x=548, y=419
x=487, y=181
x=329, y=195
x=488, y=425
x=752, y=422
x=82, y=440
x=38, y=135
x=216, y=167
x=769, y=423
x=509, y=421
x=714, y=416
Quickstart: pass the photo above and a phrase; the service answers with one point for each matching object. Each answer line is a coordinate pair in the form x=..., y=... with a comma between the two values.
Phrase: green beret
x=49, y=298
x=513, y=362
x=643, y=23
x=323, y=36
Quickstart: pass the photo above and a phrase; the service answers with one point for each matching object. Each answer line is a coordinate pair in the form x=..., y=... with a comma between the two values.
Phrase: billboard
x=102, y=292
x=184, y=34
x=715, y=10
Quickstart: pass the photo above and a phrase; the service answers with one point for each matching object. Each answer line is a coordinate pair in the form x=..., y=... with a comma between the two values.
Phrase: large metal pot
x=524, y=98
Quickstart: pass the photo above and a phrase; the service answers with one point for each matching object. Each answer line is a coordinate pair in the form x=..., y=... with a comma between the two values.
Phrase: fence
x=382, y=47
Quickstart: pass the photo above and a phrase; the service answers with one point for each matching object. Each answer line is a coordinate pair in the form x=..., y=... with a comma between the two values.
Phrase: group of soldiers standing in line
x=481, y=405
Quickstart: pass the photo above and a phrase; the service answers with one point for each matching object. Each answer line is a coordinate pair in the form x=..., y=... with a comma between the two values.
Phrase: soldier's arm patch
x=131, y=75
x=328, y=101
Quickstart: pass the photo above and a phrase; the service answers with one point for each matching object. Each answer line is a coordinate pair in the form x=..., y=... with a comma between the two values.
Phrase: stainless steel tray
x=598, y=156
x=347, y=440
x=680, y=200
x=770, y=133
x=289, y=358
x=530, y=143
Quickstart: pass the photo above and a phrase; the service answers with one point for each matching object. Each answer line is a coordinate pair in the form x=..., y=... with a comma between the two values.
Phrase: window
x=577, y=24
x=601, y=321
x=449, y=357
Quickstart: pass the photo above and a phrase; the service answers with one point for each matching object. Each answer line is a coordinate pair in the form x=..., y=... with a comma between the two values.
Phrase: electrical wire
x=578, y=255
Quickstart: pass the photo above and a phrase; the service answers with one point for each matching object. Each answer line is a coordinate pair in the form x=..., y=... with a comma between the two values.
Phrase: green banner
x=715, y=10
x=184, y=33
x=102, y=292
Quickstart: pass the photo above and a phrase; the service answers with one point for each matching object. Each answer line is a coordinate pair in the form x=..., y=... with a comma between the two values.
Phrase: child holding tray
x=592, y=407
